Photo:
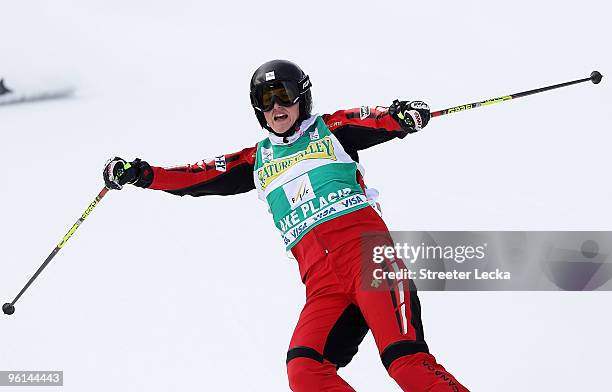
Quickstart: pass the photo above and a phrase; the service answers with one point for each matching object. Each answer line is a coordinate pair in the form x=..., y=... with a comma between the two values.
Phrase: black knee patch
x=342, y=341
x=346, y=335
x=304, y=352
x=400, y=349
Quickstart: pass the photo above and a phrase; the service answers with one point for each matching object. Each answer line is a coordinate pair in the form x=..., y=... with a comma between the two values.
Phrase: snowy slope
x=160, y=293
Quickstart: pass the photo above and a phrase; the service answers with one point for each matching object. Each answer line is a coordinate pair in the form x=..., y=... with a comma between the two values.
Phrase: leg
x=421, y=372
x=326, y=336
x=306, y=374
x=398, y=332
x=393, y=312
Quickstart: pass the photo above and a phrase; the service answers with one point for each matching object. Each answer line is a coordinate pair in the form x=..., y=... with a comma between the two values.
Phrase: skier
x=307, y=171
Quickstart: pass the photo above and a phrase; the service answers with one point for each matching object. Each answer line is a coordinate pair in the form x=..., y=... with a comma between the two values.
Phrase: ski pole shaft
x=9, y=308
x=595, y=78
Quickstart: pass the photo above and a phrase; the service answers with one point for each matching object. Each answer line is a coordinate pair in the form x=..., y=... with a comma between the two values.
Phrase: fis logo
x=220, y=164
x=364, y=112
x=299, y=191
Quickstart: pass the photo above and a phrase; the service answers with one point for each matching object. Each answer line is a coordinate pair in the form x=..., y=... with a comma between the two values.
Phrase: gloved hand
x=412, y=116
x=117, y=172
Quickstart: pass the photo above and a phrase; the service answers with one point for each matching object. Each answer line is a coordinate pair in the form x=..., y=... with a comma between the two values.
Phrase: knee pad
x=304, y=352
x=401, y=349
x=306, y=369
x=342, y=340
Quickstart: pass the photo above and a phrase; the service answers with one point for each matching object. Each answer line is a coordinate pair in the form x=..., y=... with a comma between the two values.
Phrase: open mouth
x=280, y=117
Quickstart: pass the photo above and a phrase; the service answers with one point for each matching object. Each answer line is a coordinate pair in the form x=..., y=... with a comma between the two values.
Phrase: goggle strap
x=304, y=84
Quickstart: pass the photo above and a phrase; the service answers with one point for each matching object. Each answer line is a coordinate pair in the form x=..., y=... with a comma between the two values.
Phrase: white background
x=160, y=293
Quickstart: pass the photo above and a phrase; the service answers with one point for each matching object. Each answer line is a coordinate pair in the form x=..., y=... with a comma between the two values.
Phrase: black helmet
x=295, y=81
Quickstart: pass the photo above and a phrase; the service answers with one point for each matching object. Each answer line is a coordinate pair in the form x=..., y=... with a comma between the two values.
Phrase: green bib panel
x=307, y=182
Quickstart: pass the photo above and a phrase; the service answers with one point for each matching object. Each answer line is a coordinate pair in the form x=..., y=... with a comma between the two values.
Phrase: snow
x=156, y=292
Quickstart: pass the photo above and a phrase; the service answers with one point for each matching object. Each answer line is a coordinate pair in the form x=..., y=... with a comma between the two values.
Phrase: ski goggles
x=285, y=93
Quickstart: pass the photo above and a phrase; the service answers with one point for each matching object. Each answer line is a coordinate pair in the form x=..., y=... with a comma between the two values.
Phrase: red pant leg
x=333, y=280
x=393, y=313
x=421, y=372
x=311, y=362
x=308, y=375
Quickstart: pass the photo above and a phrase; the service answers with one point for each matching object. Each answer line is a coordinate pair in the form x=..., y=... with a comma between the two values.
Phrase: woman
x=306, y=170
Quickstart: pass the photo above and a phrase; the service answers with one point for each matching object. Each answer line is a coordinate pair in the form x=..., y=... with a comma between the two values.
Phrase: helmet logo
x=270, y=76
x=306, y=84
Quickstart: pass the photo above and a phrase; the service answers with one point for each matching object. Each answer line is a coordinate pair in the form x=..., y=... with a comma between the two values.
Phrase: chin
x=282, y=130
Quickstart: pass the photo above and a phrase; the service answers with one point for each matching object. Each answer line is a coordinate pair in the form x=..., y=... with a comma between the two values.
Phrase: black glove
x=117, y=172
x=412, y=116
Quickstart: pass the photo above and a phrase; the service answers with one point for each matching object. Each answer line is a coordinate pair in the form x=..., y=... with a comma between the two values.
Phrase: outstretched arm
x=364, y=127
x=227, y=174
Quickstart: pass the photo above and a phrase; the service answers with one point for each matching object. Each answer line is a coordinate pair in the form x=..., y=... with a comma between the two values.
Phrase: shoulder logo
x=270, y=76
x=267, y=154
x=364, y=112
x=381, y=109
x=220, y=164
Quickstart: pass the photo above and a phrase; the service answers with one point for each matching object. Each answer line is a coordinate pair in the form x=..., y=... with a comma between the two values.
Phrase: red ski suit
x=339, y=309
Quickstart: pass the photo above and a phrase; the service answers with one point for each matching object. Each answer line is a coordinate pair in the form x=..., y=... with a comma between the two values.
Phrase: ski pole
x=595, y=78
x=9, y=308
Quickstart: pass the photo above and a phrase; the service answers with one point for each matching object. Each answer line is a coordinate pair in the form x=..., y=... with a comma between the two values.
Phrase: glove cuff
x=144, y=176
x=395, y=111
